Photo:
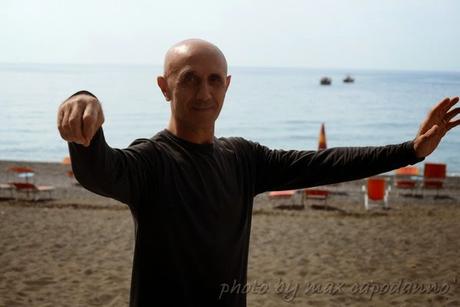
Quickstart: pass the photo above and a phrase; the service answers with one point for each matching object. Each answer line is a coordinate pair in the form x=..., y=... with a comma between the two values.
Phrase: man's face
x=196, y=88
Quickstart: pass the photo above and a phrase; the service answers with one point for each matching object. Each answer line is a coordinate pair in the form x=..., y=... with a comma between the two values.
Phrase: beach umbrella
x=322, y=138
x=22, y=172
x=66, y=161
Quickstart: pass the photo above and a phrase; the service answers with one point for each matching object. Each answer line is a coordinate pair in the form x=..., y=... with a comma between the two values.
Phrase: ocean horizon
x=277, y=107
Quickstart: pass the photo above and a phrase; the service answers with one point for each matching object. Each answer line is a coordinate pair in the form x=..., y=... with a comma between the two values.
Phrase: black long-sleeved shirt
x=192, y=204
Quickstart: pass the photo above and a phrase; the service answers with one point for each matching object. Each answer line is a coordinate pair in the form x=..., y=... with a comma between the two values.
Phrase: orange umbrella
x=20, y=169
x=22, y=172
x=66, y=161
x=322, y=138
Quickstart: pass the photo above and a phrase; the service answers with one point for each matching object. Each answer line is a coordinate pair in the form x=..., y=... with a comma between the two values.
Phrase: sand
x=77, y=249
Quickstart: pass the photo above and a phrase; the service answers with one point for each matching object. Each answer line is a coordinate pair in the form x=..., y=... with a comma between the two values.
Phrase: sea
x=277, y=107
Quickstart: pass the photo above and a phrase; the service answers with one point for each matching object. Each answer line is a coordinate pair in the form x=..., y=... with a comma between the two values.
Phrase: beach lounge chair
x=434, y=175
x=281, y=194
x=406, y=179
x=376, y=192
x=31, y=189
x=316, y=194
x=287, y=198
x=21, y=172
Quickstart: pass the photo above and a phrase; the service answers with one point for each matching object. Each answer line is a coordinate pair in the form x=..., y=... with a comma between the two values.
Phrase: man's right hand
x=79, y=118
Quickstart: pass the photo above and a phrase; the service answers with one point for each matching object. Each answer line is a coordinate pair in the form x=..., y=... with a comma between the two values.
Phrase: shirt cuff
x=413, y=159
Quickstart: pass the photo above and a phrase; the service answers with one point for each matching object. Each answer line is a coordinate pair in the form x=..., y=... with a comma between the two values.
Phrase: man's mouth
x=203, y=107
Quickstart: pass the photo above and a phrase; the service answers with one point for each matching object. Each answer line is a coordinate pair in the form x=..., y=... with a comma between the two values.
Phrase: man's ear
x=229, y=78
x=163, y=84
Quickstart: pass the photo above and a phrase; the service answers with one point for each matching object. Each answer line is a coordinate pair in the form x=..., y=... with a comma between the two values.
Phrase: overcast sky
x=390, y=34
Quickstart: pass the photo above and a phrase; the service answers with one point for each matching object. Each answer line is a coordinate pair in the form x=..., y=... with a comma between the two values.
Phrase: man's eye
x=215, y=79
x=189, y=78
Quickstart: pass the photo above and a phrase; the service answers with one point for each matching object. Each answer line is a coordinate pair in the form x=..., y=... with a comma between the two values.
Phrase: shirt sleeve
x=121, y=174
x=293, y=169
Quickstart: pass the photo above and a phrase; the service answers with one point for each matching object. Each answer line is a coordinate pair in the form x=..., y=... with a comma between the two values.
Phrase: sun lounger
x=376, y=192
x=31, y=189
x=406, y=179
x=434, y=175
x=288, y=199
x=281, y=194
x=316, y=194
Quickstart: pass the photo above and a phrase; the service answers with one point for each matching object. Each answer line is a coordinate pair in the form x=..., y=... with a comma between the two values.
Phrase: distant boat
x=348, y=79
x=325, y=81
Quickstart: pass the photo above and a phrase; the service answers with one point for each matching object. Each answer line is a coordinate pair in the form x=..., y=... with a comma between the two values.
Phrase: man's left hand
x=435, y=126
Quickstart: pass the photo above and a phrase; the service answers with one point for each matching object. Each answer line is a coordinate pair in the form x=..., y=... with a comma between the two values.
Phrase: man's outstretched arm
x=278, y=169
x=296, y=169
x=115, y=173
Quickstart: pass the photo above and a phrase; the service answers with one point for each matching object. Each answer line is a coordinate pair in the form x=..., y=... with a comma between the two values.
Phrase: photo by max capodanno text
x=288, y=290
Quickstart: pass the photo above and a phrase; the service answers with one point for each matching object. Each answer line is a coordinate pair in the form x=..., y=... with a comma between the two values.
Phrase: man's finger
x=89, y=120
x=447, y=105
x=451, y=103
x=75, y=123
x=66, y=131
x=60, y=115
x=60, y=118
x=451, y=114
x=453, y=124
x=431, y=132
x=442, y=106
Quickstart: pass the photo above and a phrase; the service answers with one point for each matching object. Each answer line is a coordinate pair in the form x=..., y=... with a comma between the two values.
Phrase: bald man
x=191, y=193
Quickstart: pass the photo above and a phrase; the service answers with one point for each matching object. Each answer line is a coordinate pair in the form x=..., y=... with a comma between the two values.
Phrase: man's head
x=195, y=82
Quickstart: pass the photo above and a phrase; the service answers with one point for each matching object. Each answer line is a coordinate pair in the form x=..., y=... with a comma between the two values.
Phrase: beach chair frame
x=287, y=199
x=407, y=178
x=376, y=192
x=31, y=189
x=312, y=194
x=434, y=175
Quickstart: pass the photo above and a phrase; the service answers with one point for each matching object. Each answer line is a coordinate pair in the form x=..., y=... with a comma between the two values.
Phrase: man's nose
x=204, y=92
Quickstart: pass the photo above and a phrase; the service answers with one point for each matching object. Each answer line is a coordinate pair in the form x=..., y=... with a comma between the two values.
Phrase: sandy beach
x=77, y=249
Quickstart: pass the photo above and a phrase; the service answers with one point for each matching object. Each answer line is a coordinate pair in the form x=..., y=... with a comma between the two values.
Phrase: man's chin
x=204, y=120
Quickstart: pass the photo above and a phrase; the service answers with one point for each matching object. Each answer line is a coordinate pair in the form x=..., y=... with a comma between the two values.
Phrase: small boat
x=348, y=79
x=325, y=81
